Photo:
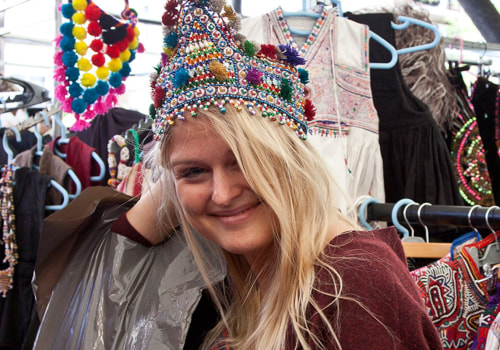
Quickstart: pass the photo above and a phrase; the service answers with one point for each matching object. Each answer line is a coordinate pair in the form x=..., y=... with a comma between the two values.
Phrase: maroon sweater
x=374, y=273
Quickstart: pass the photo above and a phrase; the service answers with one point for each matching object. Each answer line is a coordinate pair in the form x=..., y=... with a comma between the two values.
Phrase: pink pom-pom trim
x=99, y=107
x=80, y=124
x=66, y=106
x=60, y=92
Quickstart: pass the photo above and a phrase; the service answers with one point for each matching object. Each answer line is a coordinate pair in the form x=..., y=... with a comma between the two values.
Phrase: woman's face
x=215, y=196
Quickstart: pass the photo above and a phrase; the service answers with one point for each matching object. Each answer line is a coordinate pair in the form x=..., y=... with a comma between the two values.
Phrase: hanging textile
x=345, y=129
x=417, y=163
x=29, y=208
x=467, y=150
x=94, y=59
x=484, y=99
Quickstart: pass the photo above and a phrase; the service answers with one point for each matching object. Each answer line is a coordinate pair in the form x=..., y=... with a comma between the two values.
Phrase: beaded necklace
x=9, y=229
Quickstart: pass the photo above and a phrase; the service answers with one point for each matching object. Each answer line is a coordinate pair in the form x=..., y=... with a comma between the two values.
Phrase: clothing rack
x=438, y=215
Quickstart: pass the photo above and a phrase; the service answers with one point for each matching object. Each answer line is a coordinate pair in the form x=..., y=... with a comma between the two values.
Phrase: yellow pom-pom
x=136, y=31
x=102, y=72
x=169, y=51
x=79, y=33
x=115, y=65
x=84, y=64
x=218, y=70
x=79, y=18
x=125, y=55
x=81, y=48
x=133, y=44
x=79, y=5
x=88, y=80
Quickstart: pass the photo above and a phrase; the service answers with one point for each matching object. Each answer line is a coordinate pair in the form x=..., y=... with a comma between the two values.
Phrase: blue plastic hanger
x=39, y=152
x=64, y=140
x=394, y=216
x=10, y=158
x=406, y=22
x=362, y=211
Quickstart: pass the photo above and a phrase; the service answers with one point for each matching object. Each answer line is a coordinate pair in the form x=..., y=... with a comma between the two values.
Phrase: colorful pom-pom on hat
x=203, y=64
x=86, y=86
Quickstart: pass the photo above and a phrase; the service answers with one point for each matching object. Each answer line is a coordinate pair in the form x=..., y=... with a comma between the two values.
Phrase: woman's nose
x=226, y=187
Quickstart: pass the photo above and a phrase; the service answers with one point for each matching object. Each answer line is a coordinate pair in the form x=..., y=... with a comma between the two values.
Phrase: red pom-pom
x=309, y=110
x=158, y=96
x=122, y=44
x=130, y=33
x=98, y=59
x=171, y=6
x=96, y=45
x=113, y=51
x=169, y=19
x=94, y=29
x=92, y=12
x=268, y=50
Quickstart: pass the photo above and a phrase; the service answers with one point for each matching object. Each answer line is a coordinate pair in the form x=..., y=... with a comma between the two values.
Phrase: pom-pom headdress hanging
x=94, y=58
x=204, y=62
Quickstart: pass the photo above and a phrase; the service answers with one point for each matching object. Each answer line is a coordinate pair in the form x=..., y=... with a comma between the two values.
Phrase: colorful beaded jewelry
x=118, y=171
x=204, y=63
x=9, y=230
x=91, y=79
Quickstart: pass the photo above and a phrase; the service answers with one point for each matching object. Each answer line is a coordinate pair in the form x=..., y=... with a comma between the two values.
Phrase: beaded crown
x=204, y=62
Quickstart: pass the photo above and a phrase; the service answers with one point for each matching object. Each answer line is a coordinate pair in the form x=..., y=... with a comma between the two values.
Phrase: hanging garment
x=417, y=163
x=345, y=129
x=29, y=208
x=486, y=320
x=28, y=140
x=103, y=127
x=79, y=157
x=454, y=300
x=485, y=101
x=467, y=150
x=148, y=291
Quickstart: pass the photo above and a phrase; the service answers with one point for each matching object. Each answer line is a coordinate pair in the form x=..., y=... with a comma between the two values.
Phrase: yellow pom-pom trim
x=218, y=70
x=133, y=44
x=115, y=64
x=81, y=48
x=79, y=33
x=136, y=31
x=79, y=18
x=125, y=55
x=88, y=80
x=102, y=72
x=84, y=64
x=79, y=5
x=169, y=51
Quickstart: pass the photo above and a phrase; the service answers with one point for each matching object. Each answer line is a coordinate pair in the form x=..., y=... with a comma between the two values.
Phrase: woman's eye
x=192, y=172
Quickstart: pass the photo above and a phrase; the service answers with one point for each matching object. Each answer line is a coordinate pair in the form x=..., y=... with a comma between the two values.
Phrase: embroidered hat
x=94, y=58
x=204, y=62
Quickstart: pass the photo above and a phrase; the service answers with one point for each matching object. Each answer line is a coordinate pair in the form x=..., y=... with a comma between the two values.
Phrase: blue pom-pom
x=67, y=43
x=115, y=80
x=75, y=90
x=125, y=71
x=303, y=75
x=171, y=40
x=78, y=106
x=69, y=58
x=90, y=96
x=132, y=56
x=180, y=78
x=292, y=55
x=72, y=73
x=67, y=28
x=102, y=87
x=67, y=10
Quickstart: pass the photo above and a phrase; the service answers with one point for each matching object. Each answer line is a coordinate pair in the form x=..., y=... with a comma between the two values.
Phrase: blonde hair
x=290, y=177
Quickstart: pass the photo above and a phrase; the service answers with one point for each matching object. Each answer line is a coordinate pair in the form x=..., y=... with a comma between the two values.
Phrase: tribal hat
x=204, y=62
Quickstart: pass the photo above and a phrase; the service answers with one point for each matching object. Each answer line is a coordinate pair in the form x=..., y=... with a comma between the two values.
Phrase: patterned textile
x=345, y=128
x=454, y=301
x=486, y=320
